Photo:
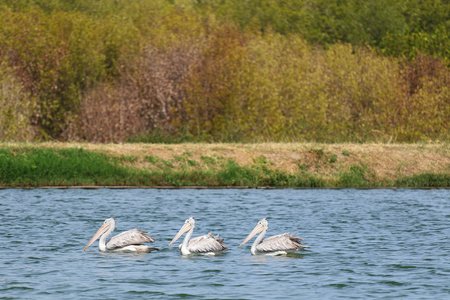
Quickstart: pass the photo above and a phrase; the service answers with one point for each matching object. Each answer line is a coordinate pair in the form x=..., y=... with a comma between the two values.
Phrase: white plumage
x=274, y=245
x=205, y=244
x=130, y=240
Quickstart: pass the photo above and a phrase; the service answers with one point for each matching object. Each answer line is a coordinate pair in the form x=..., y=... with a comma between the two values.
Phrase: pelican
x=130, y=240
x=205, y=244
x=275, y=245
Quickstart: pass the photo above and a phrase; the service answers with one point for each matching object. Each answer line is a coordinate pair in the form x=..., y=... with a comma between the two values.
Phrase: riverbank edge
x=209, y=188
x=264, y=166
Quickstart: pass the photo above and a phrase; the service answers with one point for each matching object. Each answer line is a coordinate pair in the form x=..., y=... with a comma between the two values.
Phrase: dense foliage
x=224, y=70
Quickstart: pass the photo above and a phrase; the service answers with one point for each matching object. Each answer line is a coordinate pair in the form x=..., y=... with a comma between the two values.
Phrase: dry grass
x=388, y=161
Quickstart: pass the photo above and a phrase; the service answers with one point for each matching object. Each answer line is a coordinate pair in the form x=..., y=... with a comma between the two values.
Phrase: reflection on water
x=364, y=244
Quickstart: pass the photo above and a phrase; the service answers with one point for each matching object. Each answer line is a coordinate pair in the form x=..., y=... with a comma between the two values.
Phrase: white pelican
x=130, y=240
x=205, y=244
x=274, y=245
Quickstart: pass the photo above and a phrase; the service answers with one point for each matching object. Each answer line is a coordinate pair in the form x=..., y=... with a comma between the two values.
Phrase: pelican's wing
x=130, y=237
x=206, y=243
x=196, y=240
x=281, y=242
x=193, y=241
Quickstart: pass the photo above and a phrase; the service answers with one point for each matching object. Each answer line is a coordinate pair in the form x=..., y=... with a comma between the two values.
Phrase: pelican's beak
x=99, y=232
x=186, y=227
x=258, y=229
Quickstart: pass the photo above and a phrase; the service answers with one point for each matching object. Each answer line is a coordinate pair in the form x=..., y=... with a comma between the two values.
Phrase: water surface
x=364, y=244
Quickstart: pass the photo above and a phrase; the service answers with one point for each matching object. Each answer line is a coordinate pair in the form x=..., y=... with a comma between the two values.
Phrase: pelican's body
x=130, y=240
x=275, y=245
x=205, y=244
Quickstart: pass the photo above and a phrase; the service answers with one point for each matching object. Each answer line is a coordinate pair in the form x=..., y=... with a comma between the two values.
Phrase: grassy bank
x=238, y=165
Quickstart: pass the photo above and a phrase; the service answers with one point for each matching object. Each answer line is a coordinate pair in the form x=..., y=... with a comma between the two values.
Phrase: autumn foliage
x=158, y=71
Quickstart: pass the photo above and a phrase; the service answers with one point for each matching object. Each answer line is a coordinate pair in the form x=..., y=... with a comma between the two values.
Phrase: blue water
x=365, y=244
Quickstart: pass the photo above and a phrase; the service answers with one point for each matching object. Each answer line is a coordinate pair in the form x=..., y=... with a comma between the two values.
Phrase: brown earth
x=388, y=161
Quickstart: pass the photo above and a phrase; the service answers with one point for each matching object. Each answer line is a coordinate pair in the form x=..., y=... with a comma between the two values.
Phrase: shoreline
x=214, y=188
x=217, y=166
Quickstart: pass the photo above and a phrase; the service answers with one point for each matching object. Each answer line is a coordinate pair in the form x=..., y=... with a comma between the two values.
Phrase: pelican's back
x=130, y=237
x=281, y=242
x=206, y=243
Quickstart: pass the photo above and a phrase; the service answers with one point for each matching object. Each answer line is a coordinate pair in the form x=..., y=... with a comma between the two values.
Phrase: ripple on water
x=211, y=271
x=360, y=244
x=21, y=288
x=392, y=282
x=145, y=293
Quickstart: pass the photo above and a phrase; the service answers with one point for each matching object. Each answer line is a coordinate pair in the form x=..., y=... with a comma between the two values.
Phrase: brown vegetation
x=106, y=73
x=387, y=161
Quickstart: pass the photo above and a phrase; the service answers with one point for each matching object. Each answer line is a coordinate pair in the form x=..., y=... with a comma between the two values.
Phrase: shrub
x=17, y=107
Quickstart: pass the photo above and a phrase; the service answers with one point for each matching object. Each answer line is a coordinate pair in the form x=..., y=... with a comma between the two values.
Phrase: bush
x=231, y=71
x=17, y=108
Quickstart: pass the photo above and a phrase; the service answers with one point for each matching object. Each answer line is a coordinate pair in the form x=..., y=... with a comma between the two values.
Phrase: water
x=364, y=244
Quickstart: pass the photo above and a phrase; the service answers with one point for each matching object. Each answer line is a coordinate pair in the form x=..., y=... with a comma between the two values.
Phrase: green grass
x=35, y=167
x=128, y=158
x=346, y=153
x=425, y=180
x=356, y=177
x=40, y=167
x=152, y=159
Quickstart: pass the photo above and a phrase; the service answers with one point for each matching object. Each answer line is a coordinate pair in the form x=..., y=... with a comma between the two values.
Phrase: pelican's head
x=109, y=223
x=188, y=225
x=262, y=225
x=191, y=221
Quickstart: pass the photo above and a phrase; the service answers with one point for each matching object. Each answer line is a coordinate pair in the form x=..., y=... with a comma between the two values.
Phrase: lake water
x=365, y=244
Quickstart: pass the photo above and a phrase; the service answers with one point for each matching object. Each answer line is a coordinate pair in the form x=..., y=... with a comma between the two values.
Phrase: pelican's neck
x=102, y=241
x=258, y=241
x=184, y=245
